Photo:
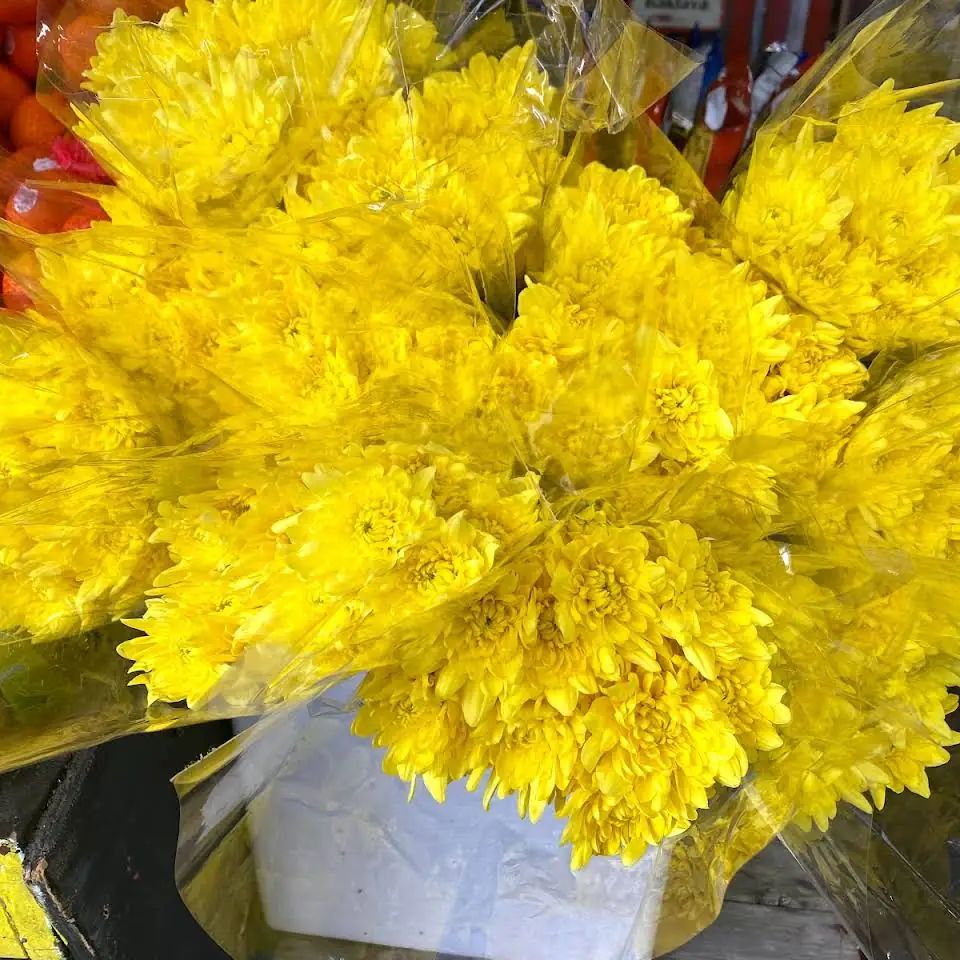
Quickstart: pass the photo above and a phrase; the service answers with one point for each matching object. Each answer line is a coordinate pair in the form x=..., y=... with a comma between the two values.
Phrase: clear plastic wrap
x=436, y=262
x=894, y=885
x=864, y=240
x=845, y=202
x=417, y=381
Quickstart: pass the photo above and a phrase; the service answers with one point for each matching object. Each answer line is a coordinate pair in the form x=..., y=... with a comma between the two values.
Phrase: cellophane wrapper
x=416, y=398
x=894, y=885
x=104, y=435
x=811, y=205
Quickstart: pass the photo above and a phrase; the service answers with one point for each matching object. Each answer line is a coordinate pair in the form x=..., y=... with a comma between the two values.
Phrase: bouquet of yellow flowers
x=610, y=509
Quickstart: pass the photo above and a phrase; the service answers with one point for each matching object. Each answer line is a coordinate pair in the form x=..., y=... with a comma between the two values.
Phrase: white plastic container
x=341, y=853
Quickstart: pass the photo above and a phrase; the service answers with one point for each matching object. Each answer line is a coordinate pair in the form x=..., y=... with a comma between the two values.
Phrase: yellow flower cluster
x=369, y=374
x=203, y=116
x=856, y=218
x=661, y=349
x=312, y=567
x=70, y=559
x=304, y=342
x=908, y=451
x=891, y=627
x=612, y=669
x=869, y=659
x=467, y=147
x=306, y=104
x=877, y=662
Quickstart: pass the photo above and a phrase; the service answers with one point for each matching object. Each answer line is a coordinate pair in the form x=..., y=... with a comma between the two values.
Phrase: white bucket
x=342, y=854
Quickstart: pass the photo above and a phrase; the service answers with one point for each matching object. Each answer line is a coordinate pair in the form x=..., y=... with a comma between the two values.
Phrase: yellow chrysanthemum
x=200, y=135
x=568, y=688
x=656, y=744
x=74, y=553
x=425, y=737
x=532, y=754
x=703, y=608
x=896, y=478
x=856, y=219
x=476, y=651
x=317, y=564
x=688, y=421
x=603, y=584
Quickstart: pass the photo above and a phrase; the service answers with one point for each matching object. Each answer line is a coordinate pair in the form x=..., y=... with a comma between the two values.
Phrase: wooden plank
x=775, y=879
x=751, y=931
x=772, y=911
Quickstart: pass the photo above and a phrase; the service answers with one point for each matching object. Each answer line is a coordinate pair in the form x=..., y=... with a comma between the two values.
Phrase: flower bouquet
x=637, y=512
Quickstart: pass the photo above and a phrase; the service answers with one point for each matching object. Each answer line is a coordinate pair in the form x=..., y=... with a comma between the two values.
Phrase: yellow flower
x=754, y=704
x=475, y=652
x=556, y=666
x=531, y=754
x=436, y=570
x=352, y=527
x=688, y=422
x=592, y=428
x=608, y=826
x=898, y=470
x=549, y=325
x=631, y=196
x=656, y=745
x=603, y=586
x=816, y=356
x=719, y=308
x=788, y=204
x=608, y=268
x=632, y=716
x=703, y=608
x=855, y=664
x=424, y=736
x=748, y=490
